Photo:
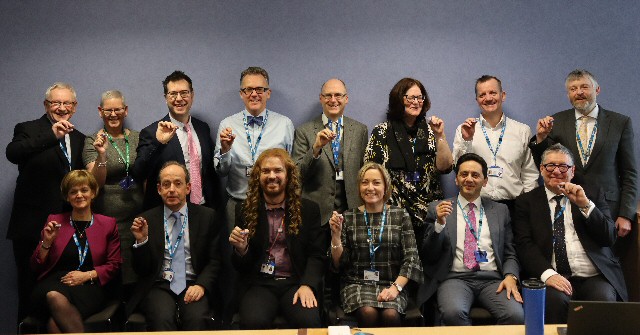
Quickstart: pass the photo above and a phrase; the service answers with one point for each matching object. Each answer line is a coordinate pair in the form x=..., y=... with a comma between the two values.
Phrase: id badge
x=167, y=275
x=339, y=175
x=247, y=170
x=481, y=256
x=268, y=267
x=371, y=275
x=412, y=177
x=127, y=183
x=495, y=171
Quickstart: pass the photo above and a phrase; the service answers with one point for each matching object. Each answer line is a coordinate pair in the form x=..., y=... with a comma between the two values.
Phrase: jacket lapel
x=452, y=227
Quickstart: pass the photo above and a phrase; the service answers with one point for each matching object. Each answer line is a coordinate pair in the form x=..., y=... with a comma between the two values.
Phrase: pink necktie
x=469, y=257
x=194, y=168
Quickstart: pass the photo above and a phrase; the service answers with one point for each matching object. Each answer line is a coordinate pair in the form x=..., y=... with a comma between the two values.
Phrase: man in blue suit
x=468, y=254
x=178, y=137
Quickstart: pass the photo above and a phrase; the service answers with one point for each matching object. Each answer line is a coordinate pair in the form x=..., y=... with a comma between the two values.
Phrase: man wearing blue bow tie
x=241, y=138
x=244, y=135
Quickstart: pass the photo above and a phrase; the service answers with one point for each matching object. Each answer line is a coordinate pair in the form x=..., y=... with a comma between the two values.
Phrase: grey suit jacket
x=612, y=165
x=318, y=175
x=438, y=250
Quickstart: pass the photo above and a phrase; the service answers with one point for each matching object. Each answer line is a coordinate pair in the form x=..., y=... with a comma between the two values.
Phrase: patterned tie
x=194, y=168
x=584, y=139
x=469, y=258
x=257, y=120
x=559, y=245
x=178, y=263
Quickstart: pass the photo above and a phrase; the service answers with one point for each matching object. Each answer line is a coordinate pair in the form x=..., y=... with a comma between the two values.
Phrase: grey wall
x=133, y=45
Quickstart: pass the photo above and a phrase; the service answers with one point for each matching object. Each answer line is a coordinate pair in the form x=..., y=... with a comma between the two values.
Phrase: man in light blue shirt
x=244, y=135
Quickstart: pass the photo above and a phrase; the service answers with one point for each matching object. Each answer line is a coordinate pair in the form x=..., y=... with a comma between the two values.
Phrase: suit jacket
x=318, y=175
x=534, y=235
x=204, y=233
x=104, y=246
x=438, y=250
x=307, y=250
x=612, y=165
x=41, y=167
x=151, y=154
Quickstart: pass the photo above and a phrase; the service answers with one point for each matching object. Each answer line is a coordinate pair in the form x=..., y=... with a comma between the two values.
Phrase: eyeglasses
x=174, y=95
x=552, y=167
x=250, y=90
x=414, y=97
x=108, y=112
x=58, y=104
x=338, y=96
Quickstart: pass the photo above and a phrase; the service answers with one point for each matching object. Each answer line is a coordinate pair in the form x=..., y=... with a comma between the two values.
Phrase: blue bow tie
x=257, y=120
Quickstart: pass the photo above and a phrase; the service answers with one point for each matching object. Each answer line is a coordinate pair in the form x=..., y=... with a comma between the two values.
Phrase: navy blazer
x=41, y=167
x=438, y=249
x=152, y=155
x=597, y=233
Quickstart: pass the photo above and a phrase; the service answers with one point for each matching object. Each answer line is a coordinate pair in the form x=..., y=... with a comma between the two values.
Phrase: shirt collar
x=550, y=194
x=464, y=202
x=593, y=113
x=325, y=119
x=176, y=122
x=245, y=112
x=486, y=123
x=168, y=211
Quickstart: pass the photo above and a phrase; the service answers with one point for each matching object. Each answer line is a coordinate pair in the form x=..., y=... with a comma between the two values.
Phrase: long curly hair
x=254, y=198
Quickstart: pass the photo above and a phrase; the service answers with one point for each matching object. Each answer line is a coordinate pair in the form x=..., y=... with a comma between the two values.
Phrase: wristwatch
x=512, y=276
x=398, y=286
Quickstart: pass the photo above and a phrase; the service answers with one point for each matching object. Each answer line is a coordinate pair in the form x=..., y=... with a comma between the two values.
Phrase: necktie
x=257, y=120
x=469, y=257
x=559, y=245
x=584, y=139
x=194, y=168
x=178, y=263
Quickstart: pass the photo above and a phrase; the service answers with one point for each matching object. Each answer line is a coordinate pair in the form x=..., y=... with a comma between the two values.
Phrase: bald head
x=333, y=97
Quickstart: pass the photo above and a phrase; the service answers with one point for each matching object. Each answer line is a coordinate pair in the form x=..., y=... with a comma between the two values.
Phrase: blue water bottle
x=533, y=293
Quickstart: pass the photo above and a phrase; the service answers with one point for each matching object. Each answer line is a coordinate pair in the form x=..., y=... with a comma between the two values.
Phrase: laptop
x=602, y=318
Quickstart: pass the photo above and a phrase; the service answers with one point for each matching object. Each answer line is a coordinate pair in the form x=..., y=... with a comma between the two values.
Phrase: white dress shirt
x=514, y=156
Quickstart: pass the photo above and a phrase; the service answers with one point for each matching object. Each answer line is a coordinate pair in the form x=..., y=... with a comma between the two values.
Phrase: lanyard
x=335, y=143
x=64, y=151
x=372, y=248
x=585, y=154
x=471, y=230
x=125, y=158
x=254, y=149
x=486, y=137
x=82, y=254
x=281, y=229
x=170, y=249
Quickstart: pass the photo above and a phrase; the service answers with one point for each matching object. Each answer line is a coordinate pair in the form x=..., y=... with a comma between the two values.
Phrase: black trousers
x=22, y=251
x=595, y=288
x=263, y=301
x=162, y=308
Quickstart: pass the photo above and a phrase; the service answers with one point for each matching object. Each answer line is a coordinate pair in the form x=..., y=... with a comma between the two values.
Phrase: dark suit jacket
x=438, y=250
x=204, y=234
x=534, y=236
x=307, y=250
x=612, y=165
x=318, y=175
x=41, y=167
x=104, y=246
x=152, y=154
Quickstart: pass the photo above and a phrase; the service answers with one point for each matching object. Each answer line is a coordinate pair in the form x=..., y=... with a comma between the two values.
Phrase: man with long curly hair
x=278, y=247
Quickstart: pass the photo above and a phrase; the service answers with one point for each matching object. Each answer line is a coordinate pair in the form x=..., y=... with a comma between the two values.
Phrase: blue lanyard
x=585, y=154
x=466, y=219
x=167, y=239
x=372, y=248
x=82, y=254
x=254, y=149
x=64, y=151
x=335, y=143
x=486, y=137
x=125, y=159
